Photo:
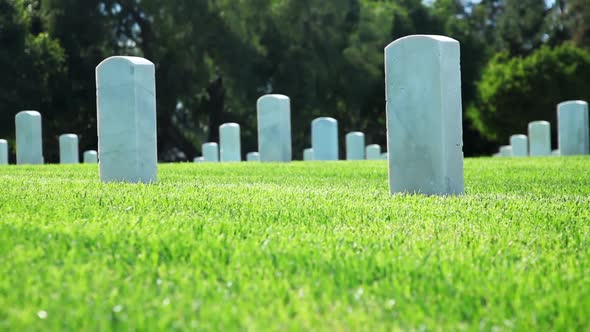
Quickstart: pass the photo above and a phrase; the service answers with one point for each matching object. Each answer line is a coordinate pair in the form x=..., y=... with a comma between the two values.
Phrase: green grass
x=303, y=246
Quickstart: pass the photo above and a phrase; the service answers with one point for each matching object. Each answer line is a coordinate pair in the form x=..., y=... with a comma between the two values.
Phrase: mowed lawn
x=300, y=246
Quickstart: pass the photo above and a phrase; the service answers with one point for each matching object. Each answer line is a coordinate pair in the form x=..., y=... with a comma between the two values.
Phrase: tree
x=516, y=91
x=87, y=36
x=30, y=60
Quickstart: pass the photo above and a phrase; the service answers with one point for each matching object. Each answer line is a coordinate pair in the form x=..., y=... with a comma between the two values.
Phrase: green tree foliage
x=29, y=59
x=516, y=91
x=215, y=58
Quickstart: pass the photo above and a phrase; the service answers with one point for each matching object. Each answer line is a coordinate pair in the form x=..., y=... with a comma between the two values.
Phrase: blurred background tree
x=214, y=58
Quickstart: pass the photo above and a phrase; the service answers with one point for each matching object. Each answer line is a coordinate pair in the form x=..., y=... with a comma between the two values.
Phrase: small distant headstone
x=68, y=149
x=199, y=160
x=324, y=139
x=540, y=138
x=253, y=156
x=308, y=154
x=355, y=146
x=274, y=128
x=424, y=115
x=127, y=138
x=3, y=152
x=373, y=152
x=555, y=153
x=229, y=141
x=573, y=132
x=90, y=157
x=506, y=151
x=29, y=144
x=385, y=156
x=210, y=152
x=520, y=145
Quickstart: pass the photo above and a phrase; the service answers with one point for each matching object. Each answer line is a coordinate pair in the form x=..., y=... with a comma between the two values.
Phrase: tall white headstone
x=127, y=138
x=90, y=157
x=355, y=146
x=424, y=115
x=274, y=128
x=29, y=141
x=3, y=152
x=210, y=152
x=253, y=156
x=540, y=138
x=229, y=141
x=373, y=152
x=520, y=145
x=573, y=132
x=308, y=154
x=68, y=149
x=506, y=151
x=324, y=139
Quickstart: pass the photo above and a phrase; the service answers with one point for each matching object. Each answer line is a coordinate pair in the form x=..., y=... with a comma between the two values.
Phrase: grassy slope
x=298, y=246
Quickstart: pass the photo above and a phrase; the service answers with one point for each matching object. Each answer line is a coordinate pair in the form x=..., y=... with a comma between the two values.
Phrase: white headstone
x=308, y=154
x=210, y=152
x=324, y=139
x=199, y=159
x=506, y=151
x=424, y=115
x=573, y=132
x=385, y=156
x=90, y=157
x=29, y=144
x=540, y=138
x=355, y=146
x=229, y=141
x=373, y=152
x=274, y=128
x=68, y=149
x=555, y=153
x=3, y=152
x=253, y=156
x=520, y=145
x=127, y=138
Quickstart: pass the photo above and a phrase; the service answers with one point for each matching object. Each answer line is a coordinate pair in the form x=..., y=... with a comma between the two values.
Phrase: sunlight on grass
x=301, y=246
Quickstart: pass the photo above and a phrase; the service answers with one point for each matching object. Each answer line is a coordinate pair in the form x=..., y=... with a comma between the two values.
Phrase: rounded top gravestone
x=424, y=115
x=573, y=128
x=229, y=142
x=355, y=146
x=3, y=152
x=373, y=152
x=539, y=138
x=90, y=157
x=29, y=138
x=324, y=138
x=274, y=128
x=520, y=145
x=70, y=136
x=540, y=122
x=210, y=152
x=68, y=149
x=28, y=114
x=127, y=129
x=230, y=125
x=324, y=119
